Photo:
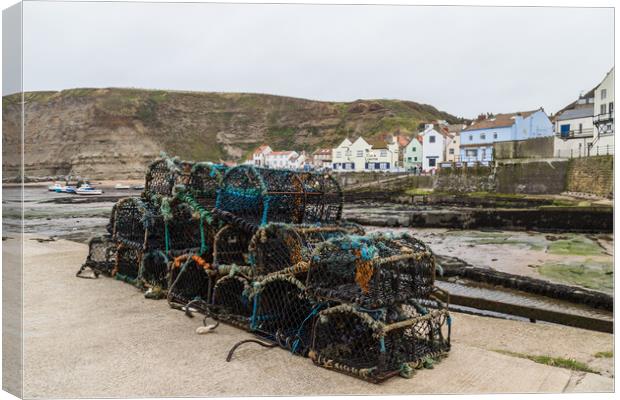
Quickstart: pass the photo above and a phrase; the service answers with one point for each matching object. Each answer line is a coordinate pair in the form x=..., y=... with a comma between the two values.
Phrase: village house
x=361, y=155
x=453, y=142
x=413, y=155
x=477, y=139
x=322, y=158
x=603, y=118
x=282, y=159
x=433, y=145
x=259, y=157
x=574, y=128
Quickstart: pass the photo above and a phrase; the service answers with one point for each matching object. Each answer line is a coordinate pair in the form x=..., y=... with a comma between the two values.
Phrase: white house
x=604, y=115
x=574, y=131
x=383, y=156
x=433, y=145
x=322, y=158
x=350, y=156
x=259, y=157
x=281, y=159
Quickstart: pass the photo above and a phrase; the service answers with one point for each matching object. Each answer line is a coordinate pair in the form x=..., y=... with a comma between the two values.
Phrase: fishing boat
x=69, y=189
x=56, y=187
x=121, y=186
x=138, y=187
x=86, y=189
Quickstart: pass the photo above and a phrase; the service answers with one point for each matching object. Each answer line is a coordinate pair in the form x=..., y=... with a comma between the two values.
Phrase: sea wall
x=530, y=148
x=591, y=175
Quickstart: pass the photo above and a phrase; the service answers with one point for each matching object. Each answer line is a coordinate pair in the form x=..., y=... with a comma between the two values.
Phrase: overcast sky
x=463, y=60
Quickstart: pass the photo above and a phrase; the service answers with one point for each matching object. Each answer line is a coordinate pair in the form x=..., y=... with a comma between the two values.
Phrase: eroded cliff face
x=115, y=133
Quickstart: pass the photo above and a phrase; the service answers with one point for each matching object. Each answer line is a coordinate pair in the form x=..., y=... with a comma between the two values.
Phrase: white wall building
x=363, y=156
x=433, y=145
x=574, y=132
x=281, y=159
x=259, y=157
x=604, y=115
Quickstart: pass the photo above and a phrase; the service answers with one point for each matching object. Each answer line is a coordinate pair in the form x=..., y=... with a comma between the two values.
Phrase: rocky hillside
x=114, y=133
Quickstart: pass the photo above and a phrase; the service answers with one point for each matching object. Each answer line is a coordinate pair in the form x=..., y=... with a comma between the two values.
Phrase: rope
x=264, y=344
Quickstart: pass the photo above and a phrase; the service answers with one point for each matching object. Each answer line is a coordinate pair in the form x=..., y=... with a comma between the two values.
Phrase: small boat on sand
x=121, y=186
x=86, y=189
x=55, y=187
x=138, y=187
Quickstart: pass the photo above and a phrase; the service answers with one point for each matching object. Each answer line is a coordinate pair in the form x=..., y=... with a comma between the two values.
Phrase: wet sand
x=101, y=338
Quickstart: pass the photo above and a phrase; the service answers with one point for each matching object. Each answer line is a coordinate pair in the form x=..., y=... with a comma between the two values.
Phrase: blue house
x=478, y=138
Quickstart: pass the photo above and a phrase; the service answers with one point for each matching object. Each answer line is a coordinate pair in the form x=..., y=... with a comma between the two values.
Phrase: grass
x=589, y=274
x=568, y=363
x=604, y=354
x=495, y=195
x=576, y=245
x=418, y=191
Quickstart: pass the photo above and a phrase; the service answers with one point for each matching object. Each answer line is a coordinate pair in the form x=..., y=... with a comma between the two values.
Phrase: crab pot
x=184, y=230
x=161, y=177
x=101, y=255
x=377, y=345
x=154, y=270
x=276, y=247
x=189, y=280
x=230, y=246
x=110, y=225
x=138, y=224
x=261, y=195
x=128, y=260
x=371, y=271
x=231, y=302
x=204, y=181
x=283, y=313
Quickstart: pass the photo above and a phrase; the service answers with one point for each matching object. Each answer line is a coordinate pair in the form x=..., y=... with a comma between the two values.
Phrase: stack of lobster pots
x=267, y=251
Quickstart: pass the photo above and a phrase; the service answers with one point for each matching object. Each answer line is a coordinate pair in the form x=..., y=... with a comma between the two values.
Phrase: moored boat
x=86, y=189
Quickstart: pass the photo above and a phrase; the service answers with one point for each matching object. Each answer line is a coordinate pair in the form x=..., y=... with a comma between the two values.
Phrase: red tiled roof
x=260, y=149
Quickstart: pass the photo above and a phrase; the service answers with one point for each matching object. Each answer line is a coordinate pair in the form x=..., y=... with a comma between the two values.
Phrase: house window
x=603, y=94
x=431, y=162
x=413, y=149
x=338, y=154
x=580, y=128
x=409, y=159
x=415, y=158
x=483, y=136
x=471, y=137
x=484, y=154
x=451, y=151
x=471, y=153
x=383, y=153
x=431, y=139
x=360, y=153
x=611, y=107
x=495, y=135
x=603, y=108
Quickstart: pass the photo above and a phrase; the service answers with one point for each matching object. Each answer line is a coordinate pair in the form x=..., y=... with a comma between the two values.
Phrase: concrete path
x=101, y=338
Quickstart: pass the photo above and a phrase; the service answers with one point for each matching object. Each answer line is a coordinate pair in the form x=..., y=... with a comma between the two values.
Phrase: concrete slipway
x=101, y=338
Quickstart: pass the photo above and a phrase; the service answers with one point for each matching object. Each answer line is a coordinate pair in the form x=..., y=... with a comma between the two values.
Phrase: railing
x=583, y=152
x=574, y=134
x=603, y=118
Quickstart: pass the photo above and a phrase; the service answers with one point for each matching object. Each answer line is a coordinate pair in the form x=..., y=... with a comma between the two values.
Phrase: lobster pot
x=204, y=181
x=283, y=313
x=231, y=302
x=261, y=195
x=128, y=261
x=161, y=177
x=230, y=246
x=138, y=224
x=277, y=247
x=101, y=255
x=377, y=345
x=324, y=198
x=154, y=270
x=110, y=225
x=189, y=280
x=371, y=272
x=184, y=230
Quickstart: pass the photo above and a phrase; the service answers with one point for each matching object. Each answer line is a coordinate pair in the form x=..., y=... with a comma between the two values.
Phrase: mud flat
x=102, y=338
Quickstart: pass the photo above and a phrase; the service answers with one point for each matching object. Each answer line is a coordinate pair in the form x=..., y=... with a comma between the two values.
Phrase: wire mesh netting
x=373, y=271
x=161, y=177
x=127, y=266
x=153, y=272
x=276, y=246
x=101, y=256
x=230, y=246
x=283, y=313
x=189, y=281
x=377, y=344
x=231, y=302
x=261, y=195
